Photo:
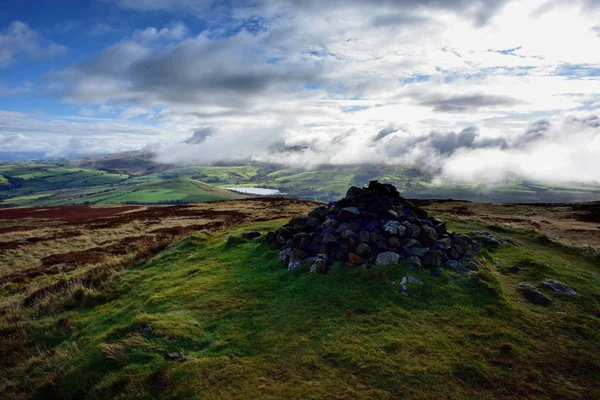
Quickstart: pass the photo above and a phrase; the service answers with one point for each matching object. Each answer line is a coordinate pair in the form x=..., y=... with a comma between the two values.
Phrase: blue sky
x=457, y=86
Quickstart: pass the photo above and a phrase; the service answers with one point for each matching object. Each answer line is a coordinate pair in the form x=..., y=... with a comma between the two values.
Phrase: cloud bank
x=472, y=90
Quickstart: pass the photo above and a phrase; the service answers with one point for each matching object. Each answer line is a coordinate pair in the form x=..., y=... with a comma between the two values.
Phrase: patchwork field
x=171, y=302
x=139, y=181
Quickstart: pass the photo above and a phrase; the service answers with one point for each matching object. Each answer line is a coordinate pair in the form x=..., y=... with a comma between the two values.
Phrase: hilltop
x=179, y=301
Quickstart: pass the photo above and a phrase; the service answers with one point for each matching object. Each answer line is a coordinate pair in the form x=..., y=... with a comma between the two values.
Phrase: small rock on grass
x=174, y=356
x=531, y=294
x=406, y=280
x=294, y=263
x=145, y=330
x=251, y=235
x=414, y=261
x=387, y=258
x=558, y=287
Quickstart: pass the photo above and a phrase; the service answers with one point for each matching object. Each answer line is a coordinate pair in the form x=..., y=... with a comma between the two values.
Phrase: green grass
x=173, y=190
x=258, y=331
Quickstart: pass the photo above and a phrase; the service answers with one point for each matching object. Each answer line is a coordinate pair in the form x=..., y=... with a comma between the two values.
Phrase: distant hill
x=36, y=185
x=131, y=162
x=97, y=179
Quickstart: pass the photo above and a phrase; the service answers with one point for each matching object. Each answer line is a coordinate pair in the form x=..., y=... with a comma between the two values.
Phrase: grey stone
x=363, y=250
x=251, y=235
x=347, y=233
x=412, y=243
x=174, y=356
x=413, y=230
x=433, y=259
x=444, y=244
x=294, y=263
x=488, y=238
x=558, y=287
x=394, y=228
x=392, y=213
x=419, y=251
x=387, y=258
x=412, y=279
x=330, y=223
x=531, y=294
x=146, y=329
x=364, y=236
x=348, y=212
x=285, y=254
x=329, y=239
x=456, y=267
x=428, y=235
x=319, y=212
x=406, y=280
x=414, y=260
x=319, y=265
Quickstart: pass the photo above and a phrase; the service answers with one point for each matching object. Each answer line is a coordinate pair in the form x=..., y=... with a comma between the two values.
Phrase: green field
x=248, y=328
x=50, y=185
x=177, y=190
x=35, y=185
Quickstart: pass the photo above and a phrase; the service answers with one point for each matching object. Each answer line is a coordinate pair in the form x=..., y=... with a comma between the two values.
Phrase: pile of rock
x=372, y=225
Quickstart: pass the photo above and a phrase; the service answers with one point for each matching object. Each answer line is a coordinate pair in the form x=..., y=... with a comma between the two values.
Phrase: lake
x=258, y=191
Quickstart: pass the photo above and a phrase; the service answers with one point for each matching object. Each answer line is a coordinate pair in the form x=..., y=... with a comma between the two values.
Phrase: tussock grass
x=245, y=327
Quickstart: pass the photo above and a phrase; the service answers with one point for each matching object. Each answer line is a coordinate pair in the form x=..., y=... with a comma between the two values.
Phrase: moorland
x=137, y=302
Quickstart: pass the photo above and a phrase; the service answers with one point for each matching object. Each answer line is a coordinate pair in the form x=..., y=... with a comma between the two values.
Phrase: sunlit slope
x=178, y=190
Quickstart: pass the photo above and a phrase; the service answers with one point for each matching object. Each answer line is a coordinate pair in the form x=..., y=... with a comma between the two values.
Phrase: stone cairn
x=372, y=226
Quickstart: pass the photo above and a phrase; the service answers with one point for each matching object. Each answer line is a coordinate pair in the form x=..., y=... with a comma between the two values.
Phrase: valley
x=123, y=181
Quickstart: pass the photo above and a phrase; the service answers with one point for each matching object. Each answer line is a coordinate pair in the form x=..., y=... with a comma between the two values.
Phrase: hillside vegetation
x=51, y=185
x=215, y=316
x=71, y=183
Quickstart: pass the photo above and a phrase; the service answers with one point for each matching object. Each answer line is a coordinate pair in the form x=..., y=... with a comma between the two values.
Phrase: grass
x=169, y=191
x=251, y=329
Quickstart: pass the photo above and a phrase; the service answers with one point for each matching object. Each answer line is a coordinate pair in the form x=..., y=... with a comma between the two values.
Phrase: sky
x=472, y=90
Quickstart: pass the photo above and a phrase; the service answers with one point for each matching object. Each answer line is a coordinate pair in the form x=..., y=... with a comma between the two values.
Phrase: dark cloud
x=465, y=103
x=534, y=131
x=447, y=143
x=198, y=71
x=442, y=144
x=281, y=147
x=395, y=19
x=385, y=132
x=593, y=121
x=200, y=135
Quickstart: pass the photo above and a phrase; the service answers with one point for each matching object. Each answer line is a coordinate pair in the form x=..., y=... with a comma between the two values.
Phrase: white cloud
x=37, y=132
x=175, y=31
x=307, y=82
x=133, y=112
x=18, y=39
x=86, y=112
